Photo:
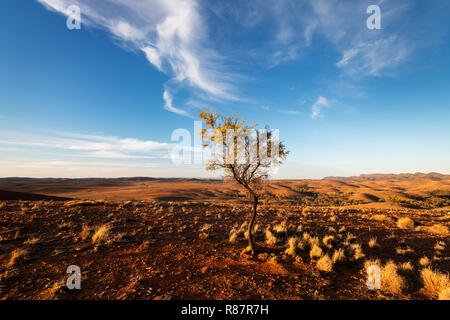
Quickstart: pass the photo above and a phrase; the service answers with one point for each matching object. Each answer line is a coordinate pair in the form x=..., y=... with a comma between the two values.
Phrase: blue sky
x=104, y=100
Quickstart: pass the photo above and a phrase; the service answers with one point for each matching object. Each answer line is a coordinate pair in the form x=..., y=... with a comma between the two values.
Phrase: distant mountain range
x=391, y=176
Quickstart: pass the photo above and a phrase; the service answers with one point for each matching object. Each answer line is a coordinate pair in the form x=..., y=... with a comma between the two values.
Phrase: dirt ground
x=158, y=249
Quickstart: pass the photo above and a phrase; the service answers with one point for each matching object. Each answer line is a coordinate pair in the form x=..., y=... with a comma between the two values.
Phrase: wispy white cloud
x=171, y=34
x=364, y=52
x=374, y=58
x=169, y=104
x=201, y=44
x=292, y=112
x=95, y=146
x=318, y=106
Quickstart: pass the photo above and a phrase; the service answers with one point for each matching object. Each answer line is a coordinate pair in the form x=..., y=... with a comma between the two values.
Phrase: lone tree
x=245, y=155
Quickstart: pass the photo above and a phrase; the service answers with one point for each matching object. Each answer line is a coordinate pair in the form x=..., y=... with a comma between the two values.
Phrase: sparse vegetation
x=316, y=252
x=405, y=223
x=437, y=228
x=325, y=264
x=373, y=243
x=434, y=282
x=311, y=246
x=424, y=261
x=101, y=234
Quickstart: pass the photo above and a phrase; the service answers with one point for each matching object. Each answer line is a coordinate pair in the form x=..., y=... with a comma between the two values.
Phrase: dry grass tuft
x=381, y=218
x=316, y=252
x=314, y=241
x=338, y=256
x=280, y=228
x=405, y=223
x=424, y=261
x=371, y=262
x=292, y=249
x=440, y=245
x=101, y=234
x=271, y=239
x=18, y=256
x=404, y=251
x=373, y=243
x=438, y=229
x=444, y=294
x=406, y=266
x=391, y=281
x=233, y=236
x=328, y=241
x=85, y=232
x=325, y=264
x=434, y=282
x=356, y=251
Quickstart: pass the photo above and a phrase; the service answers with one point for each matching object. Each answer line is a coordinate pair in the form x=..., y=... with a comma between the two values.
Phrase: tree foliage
x=245, y=154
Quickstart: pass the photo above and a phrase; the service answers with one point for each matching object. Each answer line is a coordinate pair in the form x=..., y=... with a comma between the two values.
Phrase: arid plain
x=144, y=238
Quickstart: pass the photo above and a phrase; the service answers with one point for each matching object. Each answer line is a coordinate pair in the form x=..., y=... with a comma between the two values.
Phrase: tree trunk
x=252, y=221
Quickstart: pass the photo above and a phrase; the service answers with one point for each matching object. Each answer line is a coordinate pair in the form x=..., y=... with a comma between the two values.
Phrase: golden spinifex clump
x=245, y=154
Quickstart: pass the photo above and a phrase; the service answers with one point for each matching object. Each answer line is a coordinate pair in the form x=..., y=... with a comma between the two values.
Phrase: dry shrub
x=292, y=249
x=350, y=238
x=391, y=281
x=440, y=245
x=373, y=243
x=85, y=232
x=316, y=252
x=233, y=236
x=381, y=218
x=404, y=251
x=101, y=234
x=271, y=239
x=306, y=236
x=438, y=229
x=444, y=294
x=314, y=241
x=325, y=264
x=406, y=266
x=405, y=223
x=243, y=227
x=302, y=244
x=18, y=256
x=356, y=250
x=338, y=256
x=424, y=261
x=434, y=282
x=328, y=241
x=371, y=262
